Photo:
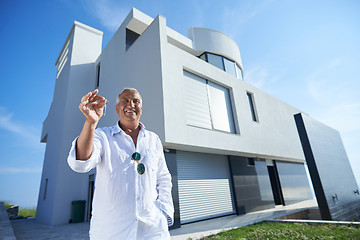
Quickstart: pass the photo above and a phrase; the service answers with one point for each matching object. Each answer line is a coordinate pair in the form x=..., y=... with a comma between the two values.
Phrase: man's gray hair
x=126, y=90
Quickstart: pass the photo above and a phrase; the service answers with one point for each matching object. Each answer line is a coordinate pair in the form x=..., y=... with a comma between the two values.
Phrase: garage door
x=204, y=186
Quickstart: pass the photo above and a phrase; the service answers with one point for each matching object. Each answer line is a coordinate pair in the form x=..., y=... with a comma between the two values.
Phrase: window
x=131, y=37
x=230, y=67
x=252, y=106
x=208, y=105
x=222, y=63
x=197, y=102
x=203, y=57
x=220, y=107
x=46, y=186
x=97, y=75
x=215, y=60
x=251, y=162
x=239, y=72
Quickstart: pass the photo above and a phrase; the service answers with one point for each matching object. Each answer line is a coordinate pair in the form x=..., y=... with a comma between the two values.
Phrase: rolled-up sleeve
x=95, y=158
x=164, y=185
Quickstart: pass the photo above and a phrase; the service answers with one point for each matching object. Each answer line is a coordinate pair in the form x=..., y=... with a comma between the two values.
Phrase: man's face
x=129, y=107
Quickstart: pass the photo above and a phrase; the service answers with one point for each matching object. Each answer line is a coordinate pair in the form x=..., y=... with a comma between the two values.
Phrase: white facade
x=160, y=64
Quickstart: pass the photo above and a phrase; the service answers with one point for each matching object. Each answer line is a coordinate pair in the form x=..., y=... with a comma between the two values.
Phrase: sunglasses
x=140, y=167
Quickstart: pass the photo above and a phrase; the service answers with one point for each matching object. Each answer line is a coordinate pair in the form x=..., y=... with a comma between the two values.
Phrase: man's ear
x=117, y=108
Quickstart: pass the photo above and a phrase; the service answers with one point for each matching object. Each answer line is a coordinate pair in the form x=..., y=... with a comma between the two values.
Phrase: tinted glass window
x=252, y=106
x=230, y=67
x=239, y=72
x=215, y=60
x=203, y=57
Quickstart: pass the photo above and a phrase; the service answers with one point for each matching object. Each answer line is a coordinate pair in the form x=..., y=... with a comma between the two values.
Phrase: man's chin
x=131, y=118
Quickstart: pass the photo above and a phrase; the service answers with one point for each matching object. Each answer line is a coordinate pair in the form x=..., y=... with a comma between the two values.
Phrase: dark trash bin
x=77, y=211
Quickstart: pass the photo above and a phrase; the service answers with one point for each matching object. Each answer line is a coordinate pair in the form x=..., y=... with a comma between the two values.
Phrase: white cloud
x=25, y=132
x=20, y=170
x=336, y=103
x=109, y=13
x=236, y=15
x=335, y=63
x=260, y=77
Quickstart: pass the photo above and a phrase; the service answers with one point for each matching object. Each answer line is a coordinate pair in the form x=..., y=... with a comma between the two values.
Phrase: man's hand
x=92, y=106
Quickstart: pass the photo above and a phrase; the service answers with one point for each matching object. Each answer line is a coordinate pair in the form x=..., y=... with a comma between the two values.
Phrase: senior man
x=132, y=198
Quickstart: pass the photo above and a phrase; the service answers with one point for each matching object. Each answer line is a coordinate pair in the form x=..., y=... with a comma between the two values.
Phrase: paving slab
x=31, y=229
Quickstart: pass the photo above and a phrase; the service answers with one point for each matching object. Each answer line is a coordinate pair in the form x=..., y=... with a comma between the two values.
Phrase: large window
x=208, y=104
x=223, y=63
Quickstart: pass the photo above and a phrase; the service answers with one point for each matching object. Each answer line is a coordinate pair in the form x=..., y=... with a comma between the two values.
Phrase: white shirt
x=123, y=197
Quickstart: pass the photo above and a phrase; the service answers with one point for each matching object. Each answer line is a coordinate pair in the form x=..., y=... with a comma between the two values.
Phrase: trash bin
x=77, y=211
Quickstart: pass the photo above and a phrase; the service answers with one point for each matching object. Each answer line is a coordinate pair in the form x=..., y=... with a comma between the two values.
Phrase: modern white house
x=231, y=148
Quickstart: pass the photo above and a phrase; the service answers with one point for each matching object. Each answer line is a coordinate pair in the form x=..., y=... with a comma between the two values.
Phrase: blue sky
x=306, y=53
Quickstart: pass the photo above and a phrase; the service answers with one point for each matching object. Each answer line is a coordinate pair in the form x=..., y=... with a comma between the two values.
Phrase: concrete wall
x=138, y=67
x=63, y=124
x=274, y=136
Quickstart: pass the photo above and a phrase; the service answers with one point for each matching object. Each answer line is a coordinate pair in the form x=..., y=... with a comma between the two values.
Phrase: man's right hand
x=92, y=106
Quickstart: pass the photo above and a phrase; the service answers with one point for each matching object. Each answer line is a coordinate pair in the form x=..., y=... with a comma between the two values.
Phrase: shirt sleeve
x=95, y=158
x=164, y=185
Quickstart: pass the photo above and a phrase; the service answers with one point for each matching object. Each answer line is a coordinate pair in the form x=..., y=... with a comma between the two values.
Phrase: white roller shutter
x=196, y=100
x=204, y=186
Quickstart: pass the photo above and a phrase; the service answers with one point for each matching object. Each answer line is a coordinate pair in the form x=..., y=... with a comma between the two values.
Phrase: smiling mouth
x=130, y=111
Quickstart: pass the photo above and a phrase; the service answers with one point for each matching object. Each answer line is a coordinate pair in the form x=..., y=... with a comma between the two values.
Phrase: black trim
x=314, y=173
x=233, y=187
x=279, y=184
x=170, y=157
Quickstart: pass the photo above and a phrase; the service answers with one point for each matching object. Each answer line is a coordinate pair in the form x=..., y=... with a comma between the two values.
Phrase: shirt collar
x=116, y=128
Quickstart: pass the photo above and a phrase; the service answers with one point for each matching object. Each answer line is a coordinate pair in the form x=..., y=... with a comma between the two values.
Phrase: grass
x=25, y=212
x=279, y=230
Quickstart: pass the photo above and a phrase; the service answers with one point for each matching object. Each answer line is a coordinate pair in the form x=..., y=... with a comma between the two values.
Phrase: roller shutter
x=204, y=186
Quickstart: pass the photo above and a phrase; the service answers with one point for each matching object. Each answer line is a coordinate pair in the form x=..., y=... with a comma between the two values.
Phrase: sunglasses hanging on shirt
x=140, y=167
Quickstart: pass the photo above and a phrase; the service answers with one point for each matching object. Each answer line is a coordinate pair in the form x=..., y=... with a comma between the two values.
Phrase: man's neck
x=130, y=127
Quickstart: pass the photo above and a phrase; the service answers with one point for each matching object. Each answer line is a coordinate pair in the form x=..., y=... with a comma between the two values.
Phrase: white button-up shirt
x=123, y=197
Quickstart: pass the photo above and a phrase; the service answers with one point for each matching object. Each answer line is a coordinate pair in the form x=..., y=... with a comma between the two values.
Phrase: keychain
x=105, y=107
